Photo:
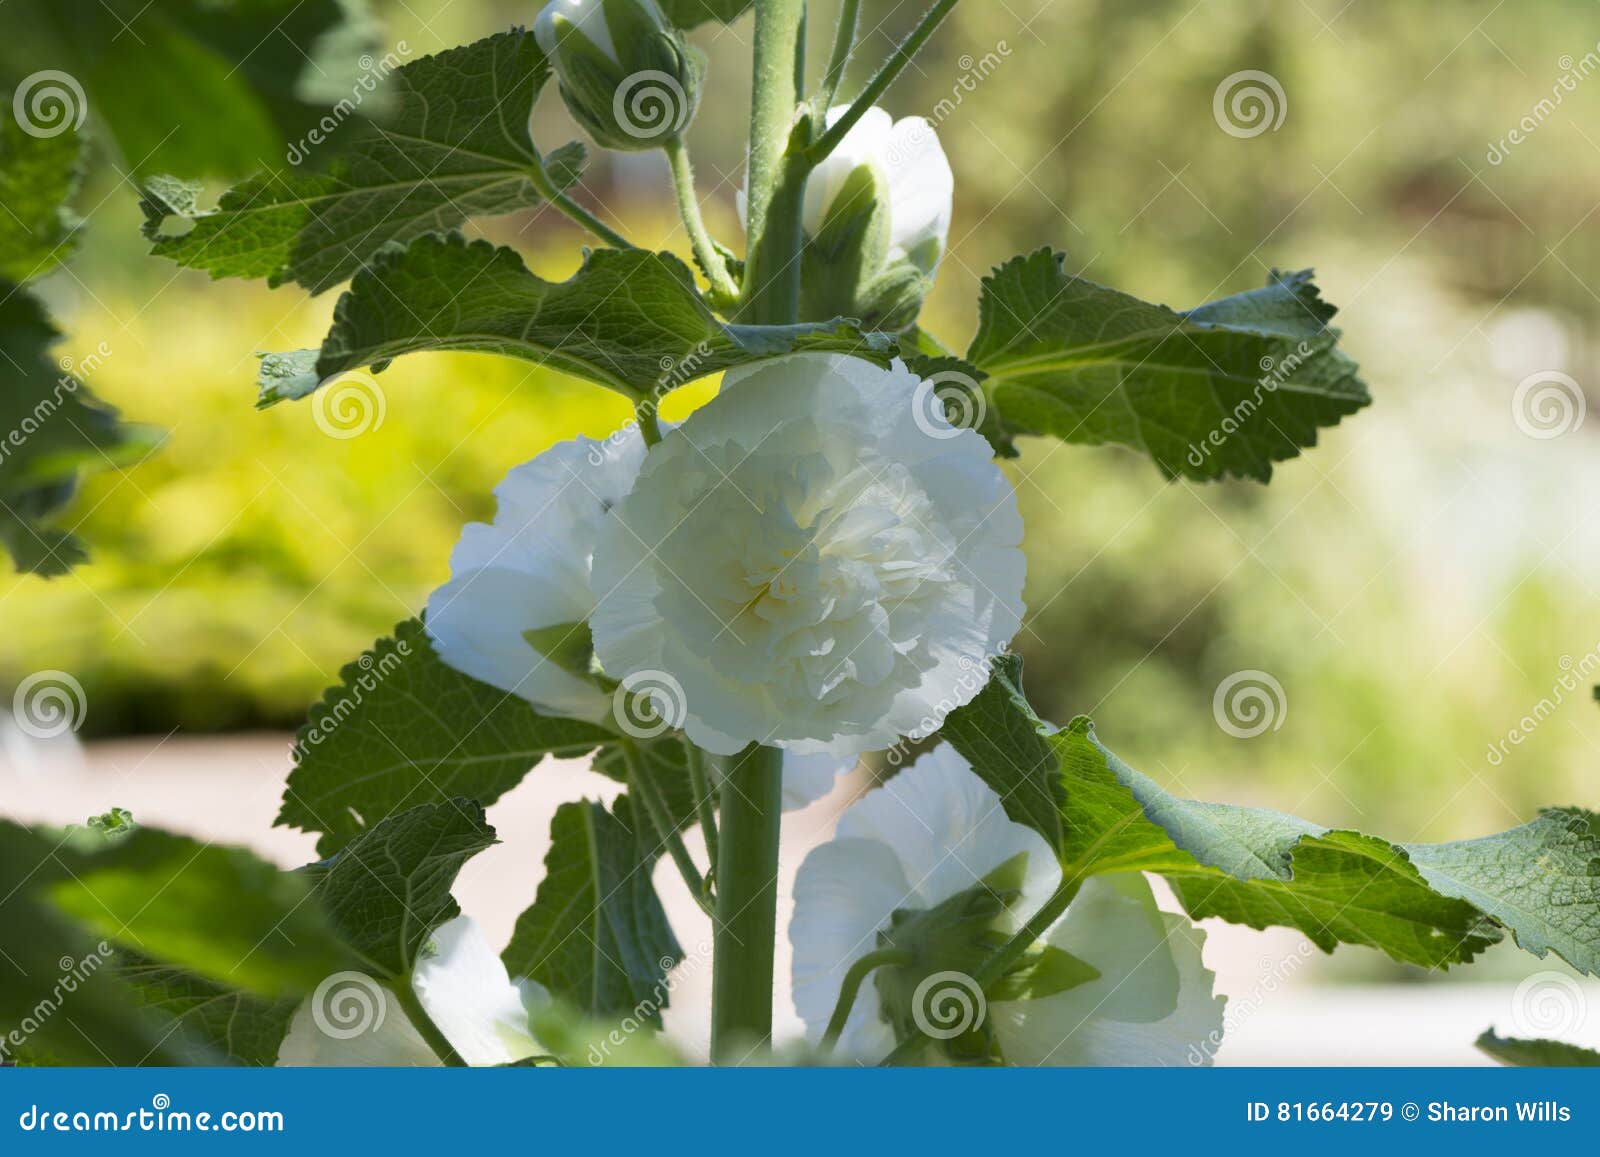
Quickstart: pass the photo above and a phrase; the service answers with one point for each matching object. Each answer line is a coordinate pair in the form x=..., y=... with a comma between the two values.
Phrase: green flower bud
x=876, y=216
x=627, y=76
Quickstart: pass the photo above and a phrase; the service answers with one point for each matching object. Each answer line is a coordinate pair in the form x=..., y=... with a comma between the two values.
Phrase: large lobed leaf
x=596, y=935
x=456, y=146
x=404, y=729
x=628, y=319
x=1426, y=904
x=1228, y=388
x=390, y=887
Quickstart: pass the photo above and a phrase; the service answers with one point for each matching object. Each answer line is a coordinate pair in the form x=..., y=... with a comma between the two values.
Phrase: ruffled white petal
x=812, y=566
x=529, y=569
x=1151, y=1005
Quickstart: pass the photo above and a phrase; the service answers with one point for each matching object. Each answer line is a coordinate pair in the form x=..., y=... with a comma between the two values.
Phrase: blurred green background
x=1416, y=584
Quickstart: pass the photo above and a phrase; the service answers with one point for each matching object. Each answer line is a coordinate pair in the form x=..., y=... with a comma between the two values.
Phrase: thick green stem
x=565, y=204
x=844, y=43
x=746, y=921
x=423, y=1023
x=649, y=428
x=776, y=186
x=724, y=291
x=656, y=807
x=859, y=971
x=886, y=75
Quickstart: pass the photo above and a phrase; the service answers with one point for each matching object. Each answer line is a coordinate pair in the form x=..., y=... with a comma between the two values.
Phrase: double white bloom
x=806, y=562
x=936, y=830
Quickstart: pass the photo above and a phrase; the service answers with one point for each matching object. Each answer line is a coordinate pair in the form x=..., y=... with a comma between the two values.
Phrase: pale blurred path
x=226, y=789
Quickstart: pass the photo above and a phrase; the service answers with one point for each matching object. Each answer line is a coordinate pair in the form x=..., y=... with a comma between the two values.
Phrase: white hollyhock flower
x=907, y=157
x=529, y=570
x=811, y=562
x=460, y=982
x=935, y=831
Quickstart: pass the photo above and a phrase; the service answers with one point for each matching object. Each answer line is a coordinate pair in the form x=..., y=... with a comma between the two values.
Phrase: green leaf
x=51, y=428
x=456, y=146
x=688, y=13
x=61, y=993
x=1426, y=904
x=196, y=87
x=1541, y=880
x=390, y=888
x=1004, y=741
x=219, y=912
x=39, y=176
x=241, y=1028
x=596, y=935
x=628, y=319
x=1536, y=1053
x=405, y=729
x=664, y=761
x=1228, y=388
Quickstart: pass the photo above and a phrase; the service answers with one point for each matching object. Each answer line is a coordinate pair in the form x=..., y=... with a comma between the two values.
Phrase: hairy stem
x=844, y=43
x=746, y=920
x=724, y=292
x=565, y=204
x=853, y=979
x=776, y=186
x=888, y=72
x=423, y=1023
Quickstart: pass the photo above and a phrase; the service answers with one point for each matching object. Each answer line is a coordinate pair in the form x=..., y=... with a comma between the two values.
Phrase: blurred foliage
x=1417, y=584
